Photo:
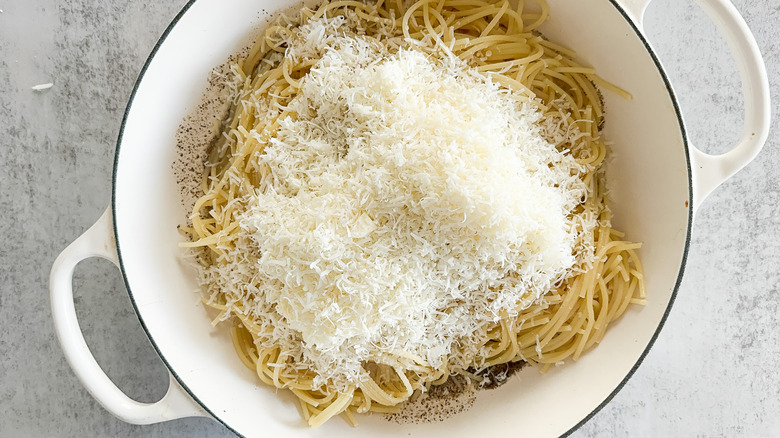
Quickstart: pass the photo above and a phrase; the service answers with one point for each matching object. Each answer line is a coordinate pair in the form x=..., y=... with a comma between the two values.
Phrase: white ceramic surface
x=651, y=181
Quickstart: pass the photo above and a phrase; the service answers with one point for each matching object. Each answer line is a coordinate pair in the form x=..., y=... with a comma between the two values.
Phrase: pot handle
x=710, y=171
x=99, y=241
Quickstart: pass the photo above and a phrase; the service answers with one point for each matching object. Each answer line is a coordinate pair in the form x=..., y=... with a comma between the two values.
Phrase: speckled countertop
x=714, y=371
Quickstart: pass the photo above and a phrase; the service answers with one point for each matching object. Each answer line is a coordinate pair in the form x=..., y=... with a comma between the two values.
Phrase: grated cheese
x=411, y=203
x=41, y=87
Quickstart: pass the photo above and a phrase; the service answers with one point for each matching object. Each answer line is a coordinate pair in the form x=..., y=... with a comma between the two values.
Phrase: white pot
x=657, y=182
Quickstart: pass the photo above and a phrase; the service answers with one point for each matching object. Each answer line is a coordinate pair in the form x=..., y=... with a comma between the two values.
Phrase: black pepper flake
x=497, y=375
x=441, y=402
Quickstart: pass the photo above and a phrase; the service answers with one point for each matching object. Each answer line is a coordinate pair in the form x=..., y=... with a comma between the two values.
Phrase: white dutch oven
x=658, y=181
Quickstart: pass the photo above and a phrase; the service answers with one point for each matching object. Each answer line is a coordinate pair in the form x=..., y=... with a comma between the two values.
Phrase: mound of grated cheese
x=411, y=204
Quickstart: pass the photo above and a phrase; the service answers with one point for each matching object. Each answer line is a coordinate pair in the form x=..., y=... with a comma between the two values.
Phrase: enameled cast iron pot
x=657, y=181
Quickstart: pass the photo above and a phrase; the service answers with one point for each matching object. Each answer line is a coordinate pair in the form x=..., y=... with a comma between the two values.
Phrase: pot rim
x=617, y=5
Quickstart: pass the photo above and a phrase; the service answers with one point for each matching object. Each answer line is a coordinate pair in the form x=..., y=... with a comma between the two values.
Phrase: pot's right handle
x=709, y=171
x=98, y=241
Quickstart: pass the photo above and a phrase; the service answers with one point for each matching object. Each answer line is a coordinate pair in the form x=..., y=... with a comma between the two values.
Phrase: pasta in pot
x=528, y=195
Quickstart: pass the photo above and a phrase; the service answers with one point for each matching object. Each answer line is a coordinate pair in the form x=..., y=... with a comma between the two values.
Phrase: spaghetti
x=501, y=43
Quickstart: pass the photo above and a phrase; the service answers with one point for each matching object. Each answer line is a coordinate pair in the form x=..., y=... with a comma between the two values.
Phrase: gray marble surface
x=713, y=371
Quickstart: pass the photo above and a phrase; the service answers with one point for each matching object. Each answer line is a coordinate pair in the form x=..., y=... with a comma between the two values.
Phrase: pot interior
x=650, y=188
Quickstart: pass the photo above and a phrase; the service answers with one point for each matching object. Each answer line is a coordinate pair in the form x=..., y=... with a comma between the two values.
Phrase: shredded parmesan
x=41, y=87
x=411, y=202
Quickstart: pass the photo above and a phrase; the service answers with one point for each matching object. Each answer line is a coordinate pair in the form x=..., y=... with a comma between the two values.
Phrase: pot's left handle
x=99, y=241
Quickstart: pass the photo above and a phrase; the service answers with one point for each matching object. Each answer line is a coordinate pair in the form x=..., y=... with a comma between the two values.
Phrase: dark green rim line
x=138, y=81
x=684, y=260
x=620, y=386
